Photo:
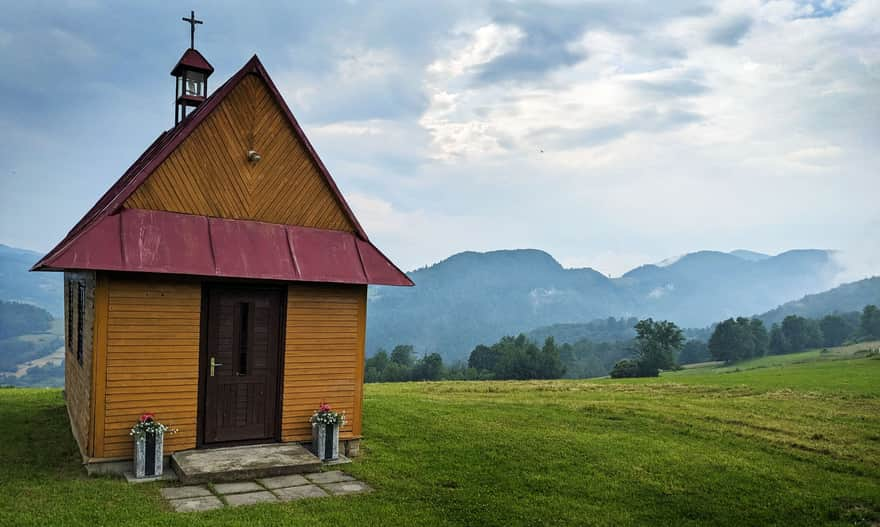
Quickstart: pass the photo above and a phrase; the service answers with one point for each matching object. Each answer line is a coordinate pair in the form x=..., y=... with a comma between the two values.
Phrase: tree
x=379, y=360
x=694, y=351
x=801, y=333
x=550, y=365
x=428, y=368
x=778, y=343
x=657, y=344
x=835, y=330
x=732, y=340
x=869, y=325
x=760, y=337
x=375, y=366
x=625, y=368
x=402, y=354
x=739, y=339
x=483, y=358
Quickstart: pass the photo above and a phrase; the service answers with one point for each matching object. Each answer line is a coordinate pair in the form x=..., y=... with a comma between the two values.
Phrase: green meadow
x=783, y=440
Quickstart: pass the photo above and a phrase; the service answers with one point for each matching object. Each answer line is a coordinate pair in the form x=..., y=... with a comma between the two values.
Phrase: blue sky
x=607, y=133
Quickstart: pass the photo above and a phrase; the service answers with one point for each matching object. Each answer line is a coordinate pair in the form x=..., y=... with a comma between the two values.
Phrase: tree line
x=509, y=358
x=658, y=345
x=742, y=338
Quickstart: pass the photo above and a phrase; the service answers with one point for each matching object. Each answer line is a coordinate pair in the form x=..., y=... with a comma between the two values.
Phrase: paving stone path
x=194, y=498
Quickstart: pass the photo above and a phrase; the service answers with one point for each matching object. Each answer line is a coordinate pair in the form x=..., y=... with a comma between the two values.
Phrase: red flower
x=147, y=417
x=324, y=407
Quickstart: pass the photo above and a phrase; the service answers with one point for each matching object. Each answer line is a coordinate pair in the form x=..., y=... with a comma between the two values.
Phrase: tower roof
x=192, y=59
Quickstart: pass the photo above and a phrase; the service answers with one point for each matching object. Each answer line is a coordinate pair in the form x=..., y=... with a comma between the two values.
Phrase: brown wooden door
x=240, y=391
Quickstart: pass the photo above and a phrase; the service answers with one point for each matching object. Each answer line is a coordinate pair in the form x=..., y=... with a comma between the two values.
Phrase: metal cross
x=192, y=28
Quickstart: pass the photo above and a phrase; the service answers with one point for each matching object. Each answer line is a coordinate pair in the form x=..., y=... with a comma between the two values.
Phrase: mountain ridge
x=472, y=298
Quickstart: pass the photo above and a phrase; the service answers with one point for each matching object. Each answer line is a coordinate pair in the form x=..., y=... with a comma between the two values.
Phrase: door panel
x=243, y=340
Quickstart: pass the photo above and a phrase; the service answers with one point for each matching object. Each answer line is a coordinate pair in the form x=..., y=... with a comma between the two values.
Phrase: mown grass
x=785, y=444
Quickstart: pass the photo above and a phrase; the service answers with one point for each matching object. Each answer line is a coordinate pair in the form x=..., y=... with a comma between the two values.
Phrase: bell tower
x=191, y=75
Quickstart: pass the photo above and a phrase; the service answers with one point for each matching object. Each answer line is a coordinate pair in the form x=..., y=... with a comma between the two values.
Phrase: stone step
x=243, y=462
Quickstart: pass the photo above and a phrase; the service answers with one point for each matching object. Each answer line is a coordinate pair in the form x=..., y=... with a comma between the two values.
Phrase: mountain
x=600, y=330
x=17, y=284
x=842, y=299
x=472, y=298
x=706, y=286
x=751, y=256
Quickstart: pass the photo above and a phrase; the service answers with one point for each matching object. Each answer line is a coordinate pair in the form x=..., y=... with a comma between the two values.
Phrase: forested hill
x=17, y=284
x=845, y=298
x=473, y=298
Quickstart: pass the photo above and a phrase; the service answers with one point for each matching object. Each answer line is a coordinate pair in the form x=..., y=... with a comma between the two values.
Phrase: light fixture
x=253, y=156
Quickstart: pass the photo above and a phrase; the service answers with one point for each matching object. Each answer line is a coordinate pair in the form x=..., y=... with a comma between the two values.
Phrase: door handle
x=213, y=365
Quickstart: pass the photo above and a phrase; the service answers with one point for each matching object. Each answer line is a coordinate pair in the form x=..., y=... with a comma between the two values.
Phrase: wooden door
x=240, y=364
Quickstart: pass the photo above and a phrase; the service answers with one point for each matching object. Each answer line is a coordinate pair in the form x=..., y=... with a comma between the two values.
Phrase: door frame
x=207, y=285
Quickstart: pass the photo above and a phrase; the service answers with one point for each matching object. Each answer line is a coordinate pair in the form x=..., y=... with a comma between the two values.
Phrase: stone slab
x=237, y=487
x=341, y=460
x=167, y=475
x=202, y=503
x=301, y=492
x=190, y=491
x=250, y=498
x=347, y=487
x=333, y=476
x=243, y=462
x=278, y=482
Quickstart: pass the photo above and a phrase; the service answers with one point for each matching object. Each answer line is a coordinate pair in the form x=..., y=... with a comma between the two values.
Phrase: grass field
x=791, y=440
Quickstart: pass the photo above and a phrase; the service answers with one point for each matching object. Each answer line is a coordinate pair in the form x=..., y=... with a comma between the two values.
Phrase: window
x=80, y=312
x=244, y=333
x=69, y=310
x=194, y=83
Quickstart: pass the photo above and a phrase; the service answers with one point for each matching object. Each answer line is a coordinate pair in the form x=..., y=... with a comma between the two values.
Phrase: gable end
x=209, y=174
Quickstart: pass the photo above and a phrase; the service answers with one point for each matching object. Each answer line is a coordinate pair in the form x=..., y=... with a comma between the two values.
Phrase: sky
x=607, y=133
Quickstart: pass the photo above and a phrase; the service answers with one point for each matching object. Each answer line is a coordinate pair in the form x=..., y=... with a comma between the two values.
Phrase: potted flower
x=325, y=432
x=148, y=437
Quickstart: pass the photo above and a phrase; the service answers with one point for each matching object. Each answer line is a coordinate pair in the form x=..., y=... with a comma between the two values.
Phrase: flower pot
x=148, y=450
x=325, y=441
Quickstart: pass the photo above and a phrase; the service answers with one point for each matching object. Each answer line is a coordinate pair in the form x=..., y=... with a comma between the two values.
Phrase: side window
x=69, y=309
x=80, y=314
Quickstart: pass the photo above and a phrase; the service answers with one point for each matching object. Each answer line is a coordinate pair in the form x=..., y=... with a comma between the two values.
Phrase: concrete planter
x=325, y=441
x=148, y=450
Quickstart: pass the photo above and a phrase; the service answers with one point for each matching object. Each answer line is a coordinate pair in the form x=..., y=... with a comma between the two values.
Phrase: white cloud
x=485, y=43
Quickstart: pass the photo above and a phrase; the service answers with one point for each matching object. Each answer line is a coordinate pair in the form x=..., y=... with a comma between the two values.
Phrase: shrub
x=625, y=368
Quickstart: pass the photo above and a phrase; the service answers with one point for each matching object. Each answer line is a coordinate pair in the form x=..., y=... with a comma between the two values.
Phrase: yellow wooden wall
x=324, y=356
x=209, y=174
x=151, y=362
x=147, y=357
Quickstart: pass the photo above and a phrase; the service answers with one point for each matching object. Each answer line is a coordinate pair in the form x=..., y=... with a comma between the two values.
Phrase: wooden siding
x=209, y=174
x=324, y=356
x=78, y=377
x=152, y=360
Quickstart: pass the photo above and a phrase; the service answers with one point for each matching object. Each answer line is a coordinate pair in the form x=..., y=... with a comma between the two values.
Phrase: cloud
x=648, y=120
x=680, y=87
x=487, y=43
x=362, y=84
x=660, y=292
x=730, y=31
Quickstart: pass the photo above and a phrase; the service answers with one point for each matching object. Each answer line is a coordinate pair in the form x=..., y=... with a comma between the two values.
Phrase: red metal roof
x=151, y=241
x=110, y=237
x=194, y=60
